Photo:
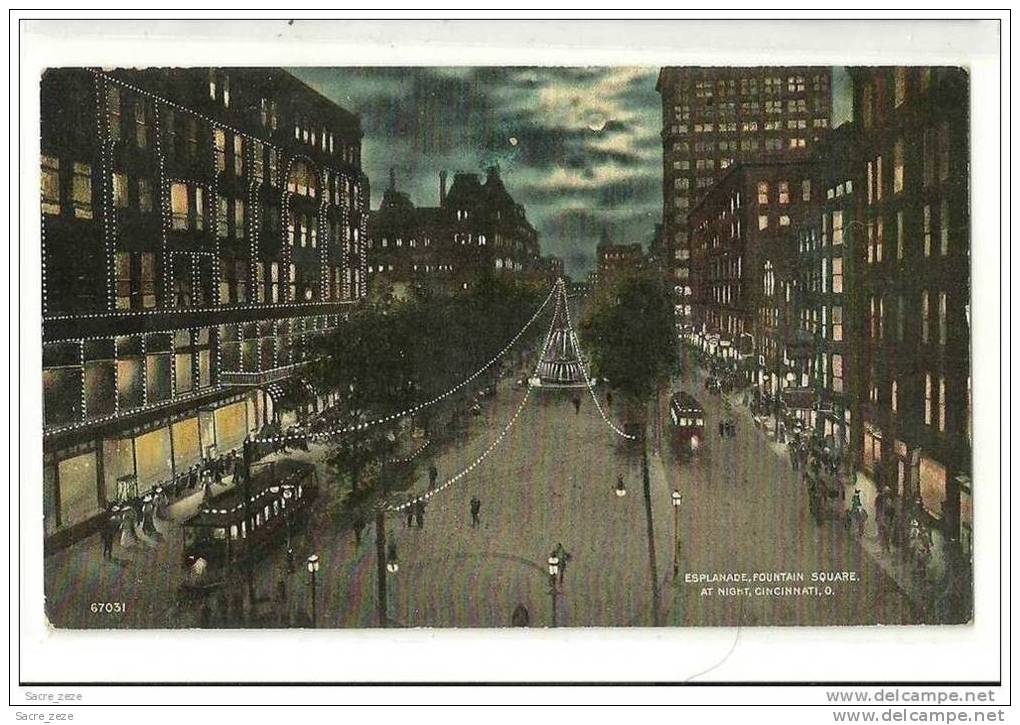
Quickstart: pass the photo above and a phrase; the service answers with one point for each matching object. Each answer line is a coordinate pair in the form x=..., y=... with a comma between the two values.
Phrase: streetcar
x=688, y=419
x=225, y=530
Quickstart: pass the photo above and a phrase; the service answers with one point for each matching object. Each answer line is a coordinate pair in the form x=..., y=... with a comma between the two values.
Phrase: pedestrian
x=109, y=532
x=476, y=507
x=577, y=404
x=433, y=476
x=419, y=513
x=722, y=429
x=359, y=524
x=564, y=556
x=148, y=508
x=207, y=490
x=609, y=397
x=409, y=507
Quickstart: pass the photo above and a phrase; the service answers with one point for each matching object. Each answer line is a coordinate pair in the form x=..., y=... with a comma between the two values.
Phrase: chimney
x=393, y=179
x=442, y=187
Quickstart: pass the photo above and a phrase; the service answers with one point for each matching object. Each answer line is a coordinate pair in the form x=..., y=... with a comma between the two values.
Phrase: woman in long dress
x=128, y=538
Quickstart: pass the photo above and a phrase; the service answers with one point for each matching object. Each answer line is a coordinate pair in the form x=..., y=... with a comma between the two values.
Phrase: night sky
x=578, y=147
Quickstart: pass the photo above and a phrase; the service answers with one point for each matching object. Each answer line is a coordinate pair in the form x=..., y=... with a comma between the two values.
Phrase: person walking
x=433, y=476
x=564, y=556
x=609, y=397
x=111, y=528
x=722, y=429
x=419, y=513
x=476, y=507
x=409, y=508
x=577, y=404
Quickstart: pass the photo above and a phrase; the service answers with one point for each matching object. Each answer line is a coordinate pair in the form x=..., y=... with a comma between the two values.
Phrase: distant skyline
x=579, y=147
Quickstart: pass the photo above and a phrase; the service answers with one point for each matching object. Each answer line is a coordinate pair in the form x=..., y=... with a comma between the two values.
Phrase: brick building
x=477, y=229
x=910, y=167
x=199, y=227
x=744, y=269
x=715, y=117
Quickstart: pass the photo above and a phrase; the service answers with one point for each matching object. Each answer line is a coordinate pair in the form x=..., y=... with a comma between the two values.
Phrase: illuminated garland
x=413, y=409
x=587, y=380
x=495, y=442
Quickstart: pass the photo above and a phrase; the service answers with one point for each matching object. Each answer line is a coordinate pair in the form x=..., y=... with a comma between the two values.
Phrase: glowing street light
x=554, y=569
x=313, y=568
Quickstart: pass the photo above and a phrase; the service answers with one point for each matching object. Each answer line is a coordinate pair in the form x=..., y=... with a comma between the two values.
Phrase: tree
x=628, y=332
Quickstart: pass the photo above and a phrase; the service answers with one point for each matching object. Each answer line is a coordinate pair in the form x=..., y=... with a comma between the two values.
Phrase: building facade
x=477, y=229
x=744, y=270
x=200, y=227
x=827, y=308
x=911, y=172
x=715, y=117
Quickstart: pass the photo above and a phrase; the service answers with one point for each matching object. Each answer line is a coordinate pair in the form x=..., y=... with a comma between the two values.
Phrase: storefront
x=231, y=423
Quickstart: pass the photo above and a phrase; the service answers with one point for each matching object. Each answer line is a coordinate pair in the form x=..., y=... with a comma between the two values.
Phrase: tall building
x=199, y=227
x=715, y=117
x=911, y=173
x=744, y=268
x=477, y=229
x=826, y=299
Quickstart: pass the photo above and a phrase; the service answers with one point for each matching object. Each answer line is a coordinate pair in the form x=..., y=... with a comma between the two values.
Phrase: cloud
x=572, y=143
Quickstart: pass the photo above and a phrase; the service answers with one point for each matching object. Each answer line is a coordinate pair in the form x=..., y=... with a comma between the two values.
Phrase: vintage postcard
x=514, y=346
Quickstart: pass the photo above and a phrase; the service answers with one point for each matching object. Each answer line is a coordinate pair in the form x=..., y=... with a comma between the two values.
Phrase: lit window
x=898, y=167
x=50, y=185
x=120, y=190
x=763, y=221
x=942, y=318
x=220, y=150
x=927, y=231
x=141, y=123
x=784, y=192
x=113, y=110
x=805, y=190
x=179, y=206
x=81, y=191
x=144, y=195
x=900, y=85
x=784, y=221
x=944, y=227
x=942, y=403
x=763, y=192
x=238, y=155
x=925, y=317
x=837, y=227
x=222, y=223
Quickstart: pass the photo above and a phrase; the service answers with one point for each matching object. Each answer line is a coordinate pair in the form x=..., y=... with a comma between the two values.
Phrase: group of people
x=727, y=428
x=133, y=521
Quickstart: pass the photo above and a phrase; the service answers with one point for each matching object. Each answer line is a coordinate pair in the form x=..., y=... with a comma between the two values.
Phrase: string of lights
x=319, y=435
x=495, y=442
x=412, y=456
x=584, y=371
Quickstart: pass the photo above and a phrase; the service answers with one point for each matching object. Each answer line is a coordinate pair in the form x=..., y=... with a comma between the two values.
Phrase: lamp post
x=288, y=495
x=676, y=499
x=313, y=567
x=554, y=569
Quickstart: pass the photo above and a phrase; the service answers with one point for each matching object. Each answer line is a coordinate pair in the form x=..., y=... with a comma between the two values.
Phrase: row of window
x=770, y=85
x=98, y=378
x=934, y=327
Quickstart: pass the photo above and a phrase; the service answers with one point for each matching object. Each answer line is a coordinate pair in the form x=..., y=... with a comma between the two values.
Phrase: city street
x=550, y=481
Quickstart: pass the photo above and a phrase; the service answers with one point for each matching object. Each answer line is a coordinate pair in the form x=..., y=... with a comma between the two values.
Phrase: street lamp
x=676, y=499
x=554, y=569
x=392, y=565
x=313, y=567
x=288, y=494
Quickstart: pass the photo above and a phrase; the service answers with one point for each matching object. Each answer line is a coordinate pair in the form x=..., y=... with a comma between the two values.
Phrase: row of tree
x=388, y=357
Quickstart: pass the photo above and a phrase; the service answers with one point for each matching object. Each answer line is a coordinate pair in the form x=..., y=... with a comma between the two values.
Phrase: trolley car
x=225, y=529
x=688, y=419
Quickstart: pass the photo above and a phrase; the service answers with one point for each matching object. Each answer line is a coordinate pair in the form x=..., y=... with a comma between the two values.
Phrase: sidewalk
x=899, y=568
